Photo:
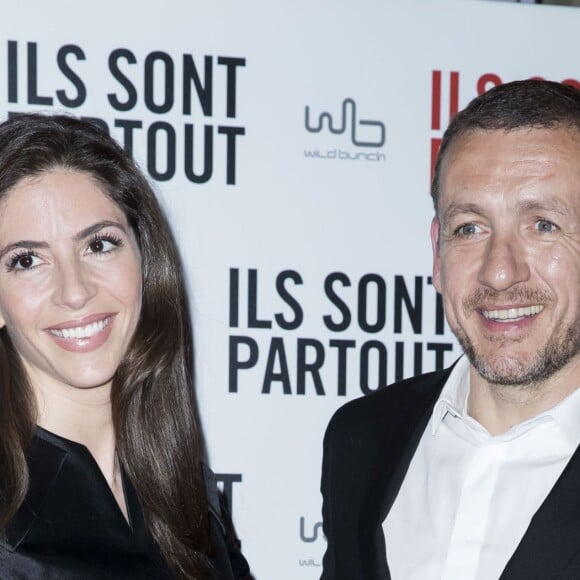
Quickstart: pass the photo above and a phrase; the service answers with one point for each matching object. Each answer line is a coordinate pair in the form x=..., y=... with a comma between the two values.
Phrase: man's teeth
x=512, y=313
x=81, y=331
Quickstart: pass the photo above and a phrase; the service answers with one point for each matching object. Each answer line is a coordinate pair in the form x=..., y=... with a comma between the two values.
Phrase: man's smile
x=512, y=314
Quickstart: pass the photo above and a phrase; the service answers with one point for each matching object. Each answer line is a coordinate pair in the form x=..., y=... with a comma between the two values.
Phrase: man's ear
x=435, y=232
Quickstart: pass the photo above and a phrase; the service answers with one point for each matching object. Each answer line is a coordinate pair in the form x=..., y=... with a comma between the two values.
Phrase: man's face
x=506, y=251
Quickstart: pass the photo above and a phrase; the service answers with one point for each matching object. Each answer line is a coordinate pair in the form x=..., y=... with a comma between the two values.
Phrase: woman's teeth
x=81, y=331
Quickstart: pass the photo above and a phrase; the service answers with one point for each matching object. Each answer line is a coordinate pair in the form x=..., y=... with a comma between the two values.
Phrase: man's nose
x=505, y=262
x=74, y=286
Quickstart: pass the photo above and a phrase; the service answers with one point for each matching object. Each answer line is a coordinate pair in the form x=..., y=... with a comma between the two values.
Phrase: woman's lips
x=83, y=335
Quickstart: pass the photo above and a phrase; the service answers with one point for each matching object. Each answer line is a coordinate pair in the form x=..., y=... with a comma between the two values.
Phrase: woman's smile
x=83, y=336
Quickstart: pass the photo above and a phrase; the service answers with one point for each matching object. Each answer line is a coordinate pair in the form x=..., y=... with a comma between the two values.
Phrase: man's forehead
x=537, y=137
x=545, y=203
x=541, y=165
x=546, y=133
x=526, y=151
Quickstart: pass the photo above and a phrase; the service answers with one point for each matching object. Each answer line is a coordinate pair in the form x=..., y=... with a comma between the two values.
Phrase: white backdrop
x=306, y=248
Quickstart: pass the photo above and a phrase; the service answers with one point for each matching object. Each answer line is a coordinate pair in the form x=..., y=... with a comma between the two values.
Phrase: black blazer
x=70, y=526
x=368, y=447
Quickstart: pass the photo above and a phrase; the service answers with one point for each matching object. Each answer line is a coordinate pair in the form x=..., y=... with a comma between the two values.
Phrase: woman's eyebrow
x=31, y=244
x=84, y=233
x=97, y=227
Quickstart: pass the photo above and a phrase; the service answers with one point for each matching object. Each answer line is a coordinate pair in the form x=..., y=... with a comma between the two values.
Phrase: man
x=473, y=473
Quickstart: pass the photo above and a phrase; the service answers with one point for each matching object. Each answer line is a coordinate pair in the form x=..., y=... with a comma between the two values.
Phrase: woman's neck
x=84, y=416
x=81, y=415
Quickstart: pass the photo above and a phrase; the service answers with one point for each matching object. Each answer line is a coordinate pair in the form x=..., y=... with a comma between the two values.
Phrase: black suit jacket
x=368, y=447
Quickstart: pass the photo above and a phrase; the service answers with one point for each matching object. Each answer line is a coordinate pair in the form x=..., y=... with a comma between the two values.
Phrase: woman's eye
x=545, y=226
x=102, y=245
x=25, y=261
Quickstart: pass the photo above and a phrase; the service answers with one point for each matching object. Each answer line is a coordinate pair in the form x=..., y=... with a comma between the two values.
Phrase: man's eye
x=545, y=226
x=467, y=230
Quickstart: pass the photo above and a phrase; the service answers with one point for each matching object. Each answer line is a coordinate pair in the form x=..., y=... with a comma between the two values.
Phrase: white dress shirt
x=468, y=497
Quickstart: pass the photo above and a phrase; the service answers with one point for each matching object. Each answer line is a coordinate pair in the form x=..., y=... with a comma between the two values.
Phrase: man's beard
x=503, y=370
x=500, y=369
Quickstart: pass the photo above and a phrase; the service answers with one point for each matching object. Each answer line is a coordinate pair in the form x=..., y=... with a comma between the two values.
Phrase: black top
x=70, y=526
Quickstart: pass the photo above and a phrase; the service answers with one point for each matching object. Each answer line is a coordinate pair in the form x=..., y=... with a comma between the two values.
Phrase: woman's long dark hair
x=157, y=431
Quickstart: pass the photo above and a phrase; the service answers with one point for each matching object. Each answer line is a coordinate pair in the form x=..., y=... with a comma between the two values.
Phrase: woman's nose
x=73, y=285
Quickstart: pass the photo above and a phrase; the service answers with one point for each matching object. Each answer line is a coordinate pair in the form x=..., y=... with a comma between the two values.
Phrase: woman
x=100, y=449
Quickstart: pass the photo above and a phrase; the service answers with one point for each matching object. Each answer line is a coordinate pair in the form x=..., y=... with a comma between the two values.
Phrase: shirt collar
x=567, y=415
x=453, y=398
x=455, y=393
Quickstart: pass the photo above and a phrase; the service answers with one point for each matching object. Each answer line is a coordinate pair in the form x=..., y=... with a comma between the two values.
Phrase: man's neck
x=499, y=407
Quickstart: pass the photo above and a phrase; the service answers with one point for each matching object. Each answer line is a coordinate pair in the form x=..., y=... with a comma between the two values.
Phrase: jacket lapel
x=553, y=536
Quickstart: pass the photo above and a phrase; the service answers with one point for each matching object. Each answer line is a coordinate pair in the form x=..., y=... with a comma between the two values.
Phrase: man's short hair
x=529, y=104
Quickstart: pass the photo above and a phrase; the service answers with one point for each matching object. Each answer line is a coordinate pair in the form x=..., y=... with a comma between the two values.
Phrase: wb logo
x=309, y=537
x=348, y=117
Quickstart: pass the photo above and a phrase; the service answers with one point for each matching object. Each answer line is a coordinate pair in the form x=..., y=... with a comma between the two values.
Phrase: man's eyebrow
x=546, y=204
x=85, y=233
x=551, y=204
x=455, y=209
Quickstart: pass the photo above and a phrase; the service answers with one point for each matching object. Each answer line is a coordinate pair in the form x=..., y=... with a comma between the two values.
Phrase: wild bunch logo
x=310, y=533
x=364, y=134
